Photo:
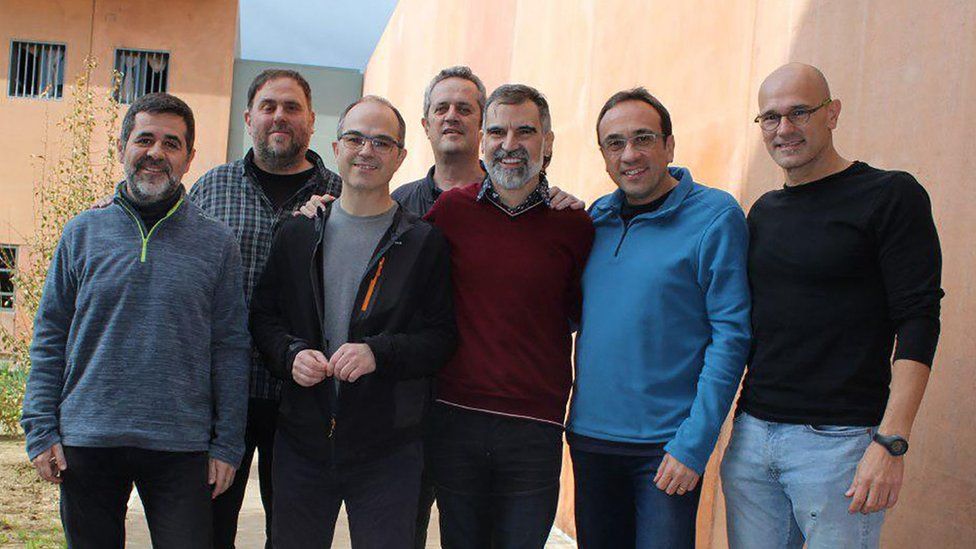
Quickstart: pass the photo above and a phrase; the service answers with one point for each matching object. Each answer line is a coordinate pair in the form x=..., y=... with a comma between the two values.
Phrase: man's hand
x=314, y=204
x=221, y=476
x=674, y=478
x=352, y=361
x=877, y=481
x=103, y=202
x=50, y=463
x=560, y=200
x=310, y=367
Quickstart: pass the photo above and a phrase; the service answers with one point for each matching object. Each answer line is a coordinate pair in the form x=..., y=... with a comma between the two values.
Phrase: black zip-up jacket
x=403, y=311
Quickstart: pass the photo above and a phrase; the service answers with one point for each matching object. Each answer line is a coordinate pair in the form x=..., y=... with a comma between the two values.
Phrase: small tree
x=81, y=172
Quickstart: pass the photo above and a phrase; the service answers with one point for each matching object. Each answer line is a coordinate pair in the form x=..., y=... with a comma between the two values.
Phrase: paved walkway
x=250, y=529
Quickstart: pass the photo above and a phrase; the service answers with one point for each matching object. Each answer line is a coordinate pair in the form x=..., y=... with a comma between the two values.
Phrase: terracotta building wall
x=199, y=36
x=905, y=72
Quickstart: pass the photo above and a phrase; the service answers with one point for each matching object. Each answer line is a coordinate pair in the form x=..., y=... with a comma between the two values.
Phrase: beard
x=512, y=178
x=141, y=185
x=279, y=156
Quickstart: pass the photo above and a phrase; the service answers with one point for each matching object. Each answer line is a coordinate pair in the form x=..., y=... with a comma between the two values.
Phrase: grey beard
x=142, y=198
x=279, y=161
x=509, y=179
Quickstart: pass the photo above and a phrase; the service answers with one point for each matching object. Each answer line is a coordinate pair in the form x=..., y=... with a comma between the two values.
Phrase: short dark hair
x=156, y=103
x=268, y=75
x=401, y=130
x=637, y=94
x=459, y=71
x=516, y=94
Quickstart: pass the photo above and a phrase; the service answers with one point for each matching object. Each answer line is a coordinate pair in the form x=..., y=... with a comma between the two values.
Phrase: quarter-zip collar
x=144, y=233
x=611, y=207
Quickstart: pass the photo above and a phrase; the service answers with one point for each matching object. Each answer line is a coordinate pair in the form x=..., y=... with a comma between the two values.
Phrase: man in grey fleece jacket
x=140, y=354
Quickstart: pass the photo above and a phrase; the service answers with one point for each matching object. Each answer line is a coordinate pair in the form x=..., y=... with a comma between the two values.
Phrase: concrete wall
x=905, y=71
x=332, y=90
x=199, y=36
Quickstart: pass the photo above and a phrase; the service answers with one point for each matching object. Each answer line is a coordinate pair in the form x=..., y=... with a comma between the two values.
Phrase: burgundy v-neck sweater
x=516, y=289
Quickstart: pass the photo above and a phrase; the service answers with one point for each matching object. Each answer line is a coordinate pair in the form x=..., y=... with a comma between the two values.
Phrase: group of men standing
x=418, y=344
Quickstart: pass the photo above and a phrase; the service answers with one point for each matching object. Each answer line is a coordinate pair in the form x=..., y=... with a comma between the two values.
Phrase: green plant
x=82, y=170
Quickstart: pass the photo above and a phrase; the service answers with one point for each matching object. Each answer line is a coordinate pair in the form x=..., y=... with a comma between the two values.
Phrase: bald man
x=844, y=261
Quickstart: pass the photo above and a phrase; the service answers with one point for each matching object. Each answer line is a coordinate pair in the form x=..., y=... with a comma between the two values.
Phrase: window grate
x=36, y=70
x=142, y=72
x=8, y=263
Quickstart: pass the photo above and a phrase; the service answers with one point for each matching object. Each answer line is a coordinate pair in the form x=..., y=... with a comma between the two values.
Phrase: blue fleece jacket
x=141, y=337
x=665, y=328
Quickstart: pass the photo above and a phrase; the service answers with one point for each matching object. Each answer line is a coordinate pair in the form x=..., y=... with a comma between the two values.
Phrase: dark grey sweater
x=141, y=339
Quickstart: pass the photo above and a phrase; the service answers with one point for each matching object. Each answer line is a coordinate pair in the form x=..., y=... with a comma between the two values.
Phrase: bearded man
x=140, y=350
x=254, y=195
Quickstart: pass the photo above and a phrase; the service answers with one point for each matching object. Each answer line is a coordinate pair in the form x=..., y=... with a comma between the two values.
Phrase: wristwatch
x=896, y=445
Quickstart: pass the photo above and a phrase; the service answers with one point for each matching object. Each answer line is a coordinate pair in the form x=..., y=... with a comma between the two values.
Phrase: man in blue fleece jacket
x=140, y=354
x=663, y=339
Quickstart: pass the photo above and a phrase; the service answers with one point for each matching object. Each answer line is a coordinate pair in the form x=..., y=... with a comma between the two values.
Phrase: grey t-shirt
x=348, y=245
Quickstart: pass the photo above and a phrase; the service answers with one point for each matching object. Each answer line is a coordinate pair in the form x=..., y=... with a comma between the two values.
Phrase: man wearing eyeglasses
x=651, y=392
x=844, y=260
x=354, y=312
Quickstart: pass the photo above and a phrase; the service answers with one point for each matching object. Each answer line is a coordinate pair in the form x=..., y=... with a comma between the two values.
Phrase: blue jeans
x=496, y=478
x=784, y=485
x=619, y=507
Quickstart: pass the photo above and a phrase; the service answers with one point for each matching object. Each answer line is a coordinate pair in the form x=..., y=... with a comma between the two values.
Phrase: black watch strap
x=896, y=445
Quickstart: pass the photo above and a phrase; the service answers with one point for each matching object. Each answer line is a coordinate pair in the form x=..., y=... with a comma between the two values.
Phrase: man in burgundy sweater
x=496, y=445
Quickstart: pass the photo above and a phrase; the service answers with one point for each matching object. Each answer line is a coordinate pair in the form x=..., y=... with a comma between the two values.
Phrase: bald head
x=796, y=78
x=798, y=116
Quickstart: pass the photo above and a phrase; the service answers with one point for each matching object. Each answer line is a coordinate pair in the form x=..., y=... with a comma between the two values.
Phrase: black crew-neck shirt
x=279, y=188
x=838, y=268
x=629, y=211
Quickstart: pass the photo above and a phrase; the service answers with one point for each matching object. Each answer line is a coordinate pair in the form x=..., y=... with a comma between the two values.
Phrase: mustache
x=147, y=162
x=280, y=128
x=518, y=154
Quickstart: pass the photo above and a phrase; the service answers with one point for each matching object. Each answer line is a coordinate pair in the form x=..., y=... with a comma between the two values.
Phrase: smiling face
x=641, y=173
x=155, y=157
x=793, y=87
x=514, y=144
x=280, y=122
x=454, y=118
x=366, y=168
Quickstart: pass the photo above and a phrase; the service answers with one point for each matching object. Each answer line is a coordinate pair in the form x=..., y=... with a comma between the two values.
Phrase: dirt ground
x=28, y=505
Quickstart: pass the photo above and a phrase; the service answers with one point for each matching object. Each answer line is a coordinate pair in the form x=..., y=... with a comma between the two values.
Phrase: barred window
x=142, y=72
x=36, y=70
x=8, y=261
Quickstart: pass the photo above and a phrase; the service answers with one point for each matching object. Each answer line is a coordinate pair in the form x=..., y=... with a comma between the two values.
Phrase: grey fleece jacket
x=141, y=337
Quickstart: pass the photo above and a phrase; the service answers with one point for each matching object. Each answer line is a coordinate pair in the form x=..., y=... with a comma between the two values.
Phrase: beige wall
x=904, y=70
x=199, y=36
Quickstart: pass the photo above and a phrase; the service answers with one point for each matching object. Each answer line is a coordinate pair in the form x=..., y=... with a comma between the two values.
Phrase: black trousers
x=262, y=418
x=380, y=495
x=496, y=478
x=172, y=485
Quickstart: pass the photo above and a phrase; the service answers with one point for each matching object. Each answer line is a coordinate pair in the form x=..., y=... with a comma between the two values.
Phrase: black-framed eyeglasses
x=769, y=121
x=642, y=141
x=355, y=141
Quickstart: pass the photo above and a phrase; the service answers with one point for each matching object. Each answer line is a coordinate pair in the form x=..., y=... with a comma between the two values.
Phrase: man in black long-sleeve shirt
x=844, y=262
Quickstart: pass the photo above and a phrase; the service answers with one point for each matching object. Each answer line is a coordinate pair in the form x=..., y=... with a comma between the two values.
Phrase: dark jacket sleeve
x=269, y=329
x=432, y=335
x=911, y=266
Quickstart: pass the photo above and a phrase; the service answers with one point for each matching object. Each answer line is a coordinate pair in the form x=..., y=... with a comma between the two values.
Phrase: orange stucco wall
x=904, y=70
x=198, y=34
